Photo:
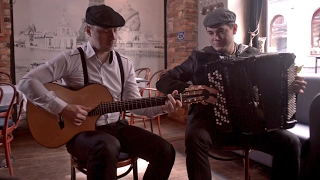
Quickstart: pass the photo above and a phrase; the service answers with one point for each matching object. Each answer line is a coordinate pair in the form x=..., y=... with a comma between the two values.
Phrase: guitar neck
x=117, y=106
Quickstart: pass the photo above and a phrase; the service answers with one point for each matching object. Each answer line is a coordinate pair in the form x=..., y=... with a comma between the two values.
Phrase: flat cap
x=219, y=16
x=103, y=16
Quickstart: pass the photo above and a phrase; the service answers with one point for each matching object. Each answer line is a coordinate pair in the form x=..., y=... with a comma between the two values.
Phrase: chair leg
x=135, y=170
x=73, y=173
x=159, y=127
x=8, y=159
x=246, y=164
x=144, y=123
x=151, y=125
x=131, y=120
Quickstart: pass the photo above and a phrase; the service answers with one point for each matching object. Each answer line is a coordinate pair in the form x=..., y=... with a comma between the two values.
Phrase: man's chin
x=218, y=48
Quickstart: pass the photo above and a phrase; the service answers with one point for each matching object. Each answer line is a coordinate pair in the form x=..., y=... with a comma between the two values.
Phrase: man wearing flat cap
x=101, y=64
x=202, y=133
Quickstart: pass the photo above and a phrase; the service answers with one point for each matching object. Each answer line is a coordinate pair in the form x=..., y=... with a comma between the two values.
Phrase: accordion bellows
x=255, y=92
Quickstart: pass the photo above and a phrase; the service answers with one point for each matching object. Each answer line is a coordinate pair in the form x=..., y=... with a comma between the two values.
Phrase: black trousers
x=101, y=148
x=201, y=136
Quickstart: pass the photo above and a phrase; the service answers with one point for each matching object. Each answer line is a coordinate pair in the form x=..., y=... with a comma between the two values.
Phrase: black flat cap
x=103, y=16
x=219, y=16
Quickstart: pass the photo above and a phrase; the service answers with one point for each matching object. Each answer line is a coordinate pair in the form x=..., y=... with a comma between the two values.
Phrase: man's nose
x=216, y=37
x=112, y=35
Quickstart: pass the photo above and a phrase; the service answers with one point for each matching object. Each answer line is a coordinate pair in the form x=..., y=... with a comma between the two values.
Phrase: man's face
x=222, y=37
x=102, y=39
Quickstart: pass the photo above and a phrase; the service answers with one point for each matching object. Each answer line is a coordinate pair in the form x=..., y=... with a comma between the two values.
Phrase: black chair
x=123, y=160
x=244, y=156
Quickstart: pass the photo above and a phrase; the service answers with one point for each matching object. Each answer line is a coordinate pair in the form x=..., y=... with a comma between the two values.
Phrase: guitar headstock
x=194, y=94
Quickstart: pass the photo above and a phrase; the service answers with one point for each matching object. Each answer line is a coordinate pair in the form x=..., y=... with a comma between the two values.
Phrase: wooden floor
x=33, y=162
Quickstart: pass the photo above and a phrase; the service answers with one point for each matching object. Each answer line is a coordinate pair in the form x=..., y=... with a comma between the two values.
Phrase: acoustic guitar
x=52, y=131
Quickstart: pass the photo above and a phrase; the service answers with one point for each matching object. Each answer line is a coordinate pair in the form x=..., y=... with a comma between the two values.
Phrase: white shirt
x=68, y=66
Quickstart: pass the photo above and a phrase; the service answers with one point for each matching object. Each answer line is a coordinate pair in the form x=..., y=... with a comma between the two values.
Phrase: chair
x=123, y=160
x=141, y=71
x=151, y=92
x=156, y=76
x=7, y=125
x=5, y=77
x=244, y=156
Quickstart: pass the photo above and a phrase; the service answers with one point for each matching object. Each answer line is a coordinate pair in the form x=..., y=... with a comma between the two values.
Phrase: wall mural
x=42, y=29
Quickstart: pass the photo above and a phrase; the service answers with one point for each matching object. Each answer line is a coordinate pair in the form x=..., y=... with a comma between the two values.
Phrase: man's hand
x=211, y=99
x=171, y=104
x=75, y=113
x=299, y=84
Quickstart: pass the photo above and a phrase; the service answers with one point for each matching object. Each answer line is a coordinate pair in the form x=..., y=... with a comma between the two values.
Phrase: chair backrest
x=6, y=123
x=5, y=77
x=155, y=78
x=149, y=92
x=11, y=99
x=146, y=71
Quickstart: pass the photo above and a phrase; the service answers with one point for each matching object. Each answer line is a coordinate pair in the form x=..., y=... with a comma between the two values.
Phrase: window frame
x=317, y=12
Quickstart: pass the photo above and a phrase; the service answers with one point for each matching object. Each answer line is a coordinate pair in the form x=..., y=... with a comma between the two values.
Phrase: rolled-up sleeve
x=31, y=85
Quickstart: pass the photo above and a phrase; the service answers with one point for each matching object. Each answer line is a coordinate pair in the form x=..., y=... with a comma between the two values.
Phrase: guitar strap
x=85, y=71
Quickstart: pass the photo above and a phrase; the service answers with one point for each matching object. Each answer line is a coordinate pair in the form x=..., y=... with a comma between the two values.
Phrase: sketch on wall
x=42, y=29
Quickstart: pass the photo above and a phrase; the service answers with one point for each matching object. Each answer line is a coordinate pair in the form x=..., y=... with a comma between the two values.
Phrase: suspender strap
x=84, y=66
x=85, y=71
x=122, y=76
x=121, y=71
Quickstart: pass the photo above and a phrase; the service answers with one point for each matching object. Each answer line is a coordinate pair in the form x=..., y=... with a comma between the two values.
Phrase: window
x=315, y=33
x=278, y=34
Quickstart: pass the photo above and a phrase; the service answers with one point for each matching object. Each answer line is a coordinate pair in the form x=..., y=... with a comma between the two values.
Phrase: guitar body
x=45, y=127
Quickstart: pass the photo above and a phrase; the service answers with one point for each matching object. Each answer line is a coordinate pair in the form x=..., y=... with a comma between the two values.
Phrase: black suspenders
x=85, y=71
x=84, y=66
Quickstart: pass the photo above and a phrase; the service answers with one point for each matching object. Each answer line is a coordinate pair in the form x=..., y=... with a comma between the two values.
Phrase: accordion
x=255, y=93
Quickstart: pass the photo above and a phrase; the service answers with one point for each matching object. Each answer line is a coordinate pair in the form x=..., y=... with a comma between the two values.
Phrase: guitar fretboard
x=118, y=106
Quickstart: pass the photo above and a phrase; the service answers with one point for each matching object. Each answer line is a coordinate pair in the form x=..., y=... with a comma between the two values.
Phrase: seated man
x=201, y=133
x=101, y=148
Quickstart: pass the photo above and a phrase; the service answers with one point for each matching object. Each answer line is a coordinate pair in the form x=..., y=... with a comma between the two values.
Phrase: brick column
x=5, y=39
x=182, y=18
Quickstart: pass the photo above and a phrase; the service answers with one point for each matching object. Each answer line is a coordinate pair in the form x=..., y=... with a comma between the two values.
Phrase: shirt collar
x=90, y=52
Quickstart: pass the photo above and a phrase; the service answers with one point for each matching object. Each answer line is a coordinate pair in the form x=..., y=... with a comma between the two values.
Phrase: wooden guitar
x=52, y=131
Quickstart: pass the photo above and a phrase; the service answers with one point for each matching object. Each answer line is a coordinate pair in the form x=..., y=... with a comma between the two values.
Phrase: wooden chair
x=7, y=125
x=146, y=71
x=123, y=160
x=155, y=78
x=149, y=92
x=244, y=156
x=5, y=77
x=139, y=73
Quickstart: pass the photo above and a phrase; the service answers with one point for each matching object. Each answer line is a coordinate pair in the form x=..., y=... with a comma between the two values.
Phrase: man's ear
x=235, y=28
x=88, y=30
